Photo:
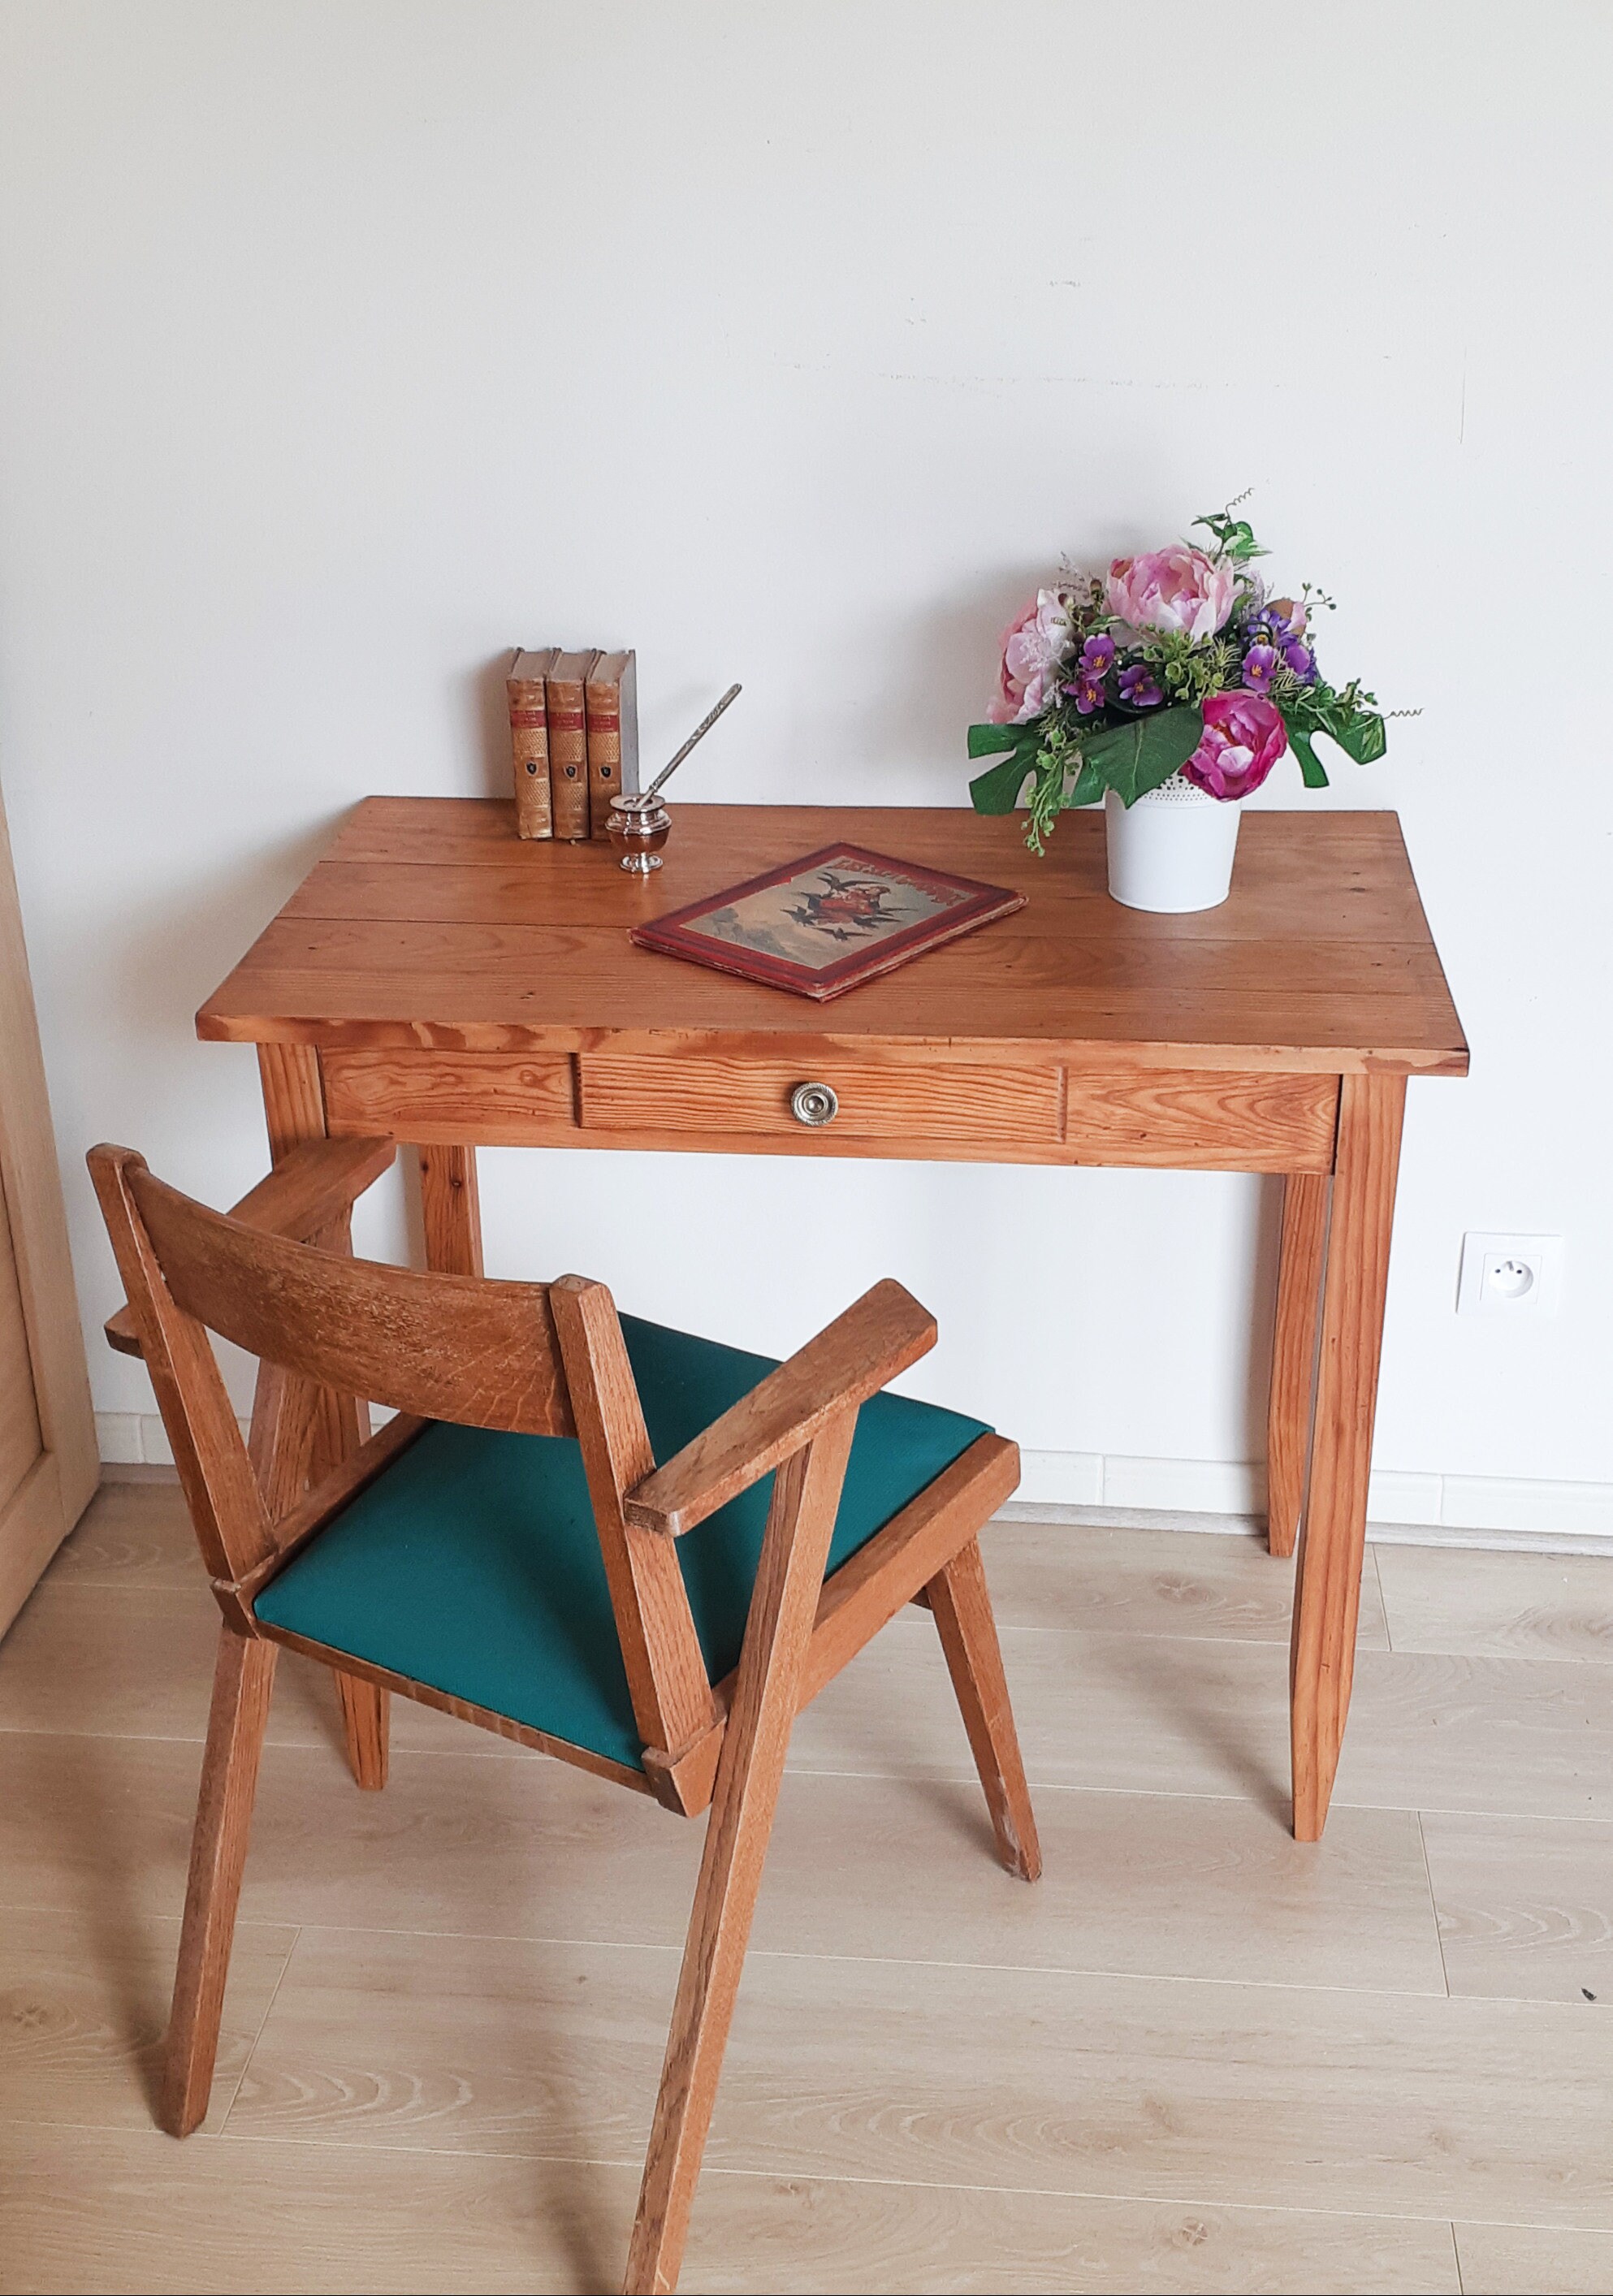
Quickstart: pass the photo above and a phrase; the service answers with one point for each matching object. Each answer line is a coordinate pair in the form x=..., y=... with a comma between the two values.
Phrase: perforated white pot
x=1173, y=849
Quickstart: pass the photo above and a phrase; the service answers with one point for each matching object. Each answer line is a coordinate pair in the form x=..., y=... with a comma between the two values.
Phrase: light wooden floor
x=1196, y=2057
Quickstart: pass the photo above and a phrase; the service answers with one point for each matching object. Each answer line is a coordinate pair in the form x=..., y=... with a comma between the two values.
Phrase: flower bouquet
x=1179, y=678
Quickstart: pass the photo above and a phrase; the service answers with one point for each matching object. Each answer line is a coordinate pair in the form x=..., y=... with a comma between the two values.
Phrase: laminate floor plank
x=110, y=1661
x=1136, y=1714
x=453, y=1845
x=1525, y=1906
x=483, y=2044
x=1488, y=1605
x=84, y=2005
x=1510, y=1736
x=814, y=2236
x=1157, y=1884
x=135, y=2215
x=1220, y=2095
x=131, y=1534
x=1533, y=2260
x=1151, y=1884
x=1133, y=1713
x=138, y=2215
x=136, y=1660
x=1150, y=1582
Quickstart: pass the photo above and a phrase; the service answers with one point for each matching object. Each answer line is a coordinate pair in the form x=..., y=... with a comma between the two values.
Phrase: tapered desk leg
x=450, y=1209
x=1327, y=1595
x=300, y=1432
x=1287, y=1438
x=294, y=1110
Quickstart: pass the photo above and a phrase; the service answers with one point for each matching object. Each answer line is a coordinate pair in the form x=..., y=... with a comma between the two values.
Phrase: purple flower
x=1138, y=687
x=1259, y=664
x=1278, y=622
x=1097, y=659
x=1300, y=660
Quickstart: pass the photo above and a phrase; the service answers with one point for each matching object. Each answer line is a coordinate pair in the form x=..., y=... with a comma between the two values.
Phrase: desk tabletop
x=430, y=923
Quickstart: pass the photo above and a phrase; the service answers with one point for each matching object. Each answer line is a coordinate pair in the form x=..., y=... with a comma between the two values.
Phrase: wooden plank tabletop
x=430, y=923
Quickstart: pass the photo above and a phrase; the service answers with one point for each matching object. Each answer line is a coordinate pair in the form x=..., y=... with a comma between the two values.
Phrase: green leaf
x=1087, y=786
x=1311, y=770
x=1238, y=541
x=1134, y=759
x=1361, y=734
x=986, y=741
x=997, y=790
x=1235, y=536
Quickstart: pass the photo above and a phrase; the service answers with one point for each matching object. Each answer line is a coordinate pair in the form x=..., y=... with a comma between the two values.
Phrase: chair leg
x=241, y=1683
x=301, y=1430
x=365, y=1715
x=962, y=1606
x=783, y=1606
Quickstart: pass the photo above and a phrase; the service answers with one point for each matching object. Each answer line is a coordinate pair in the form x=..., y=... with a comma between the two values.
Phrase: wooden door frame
x=62, y=1481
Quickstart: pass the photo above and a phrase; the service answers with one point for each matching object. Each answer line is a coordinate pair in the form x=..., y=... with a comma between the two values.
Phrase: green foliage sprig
x=1234, y=538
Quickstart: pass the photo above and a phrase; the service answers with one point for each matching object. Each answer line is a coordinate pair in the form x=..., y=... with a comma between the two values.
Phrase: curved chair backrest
x=437, y=1347
x=458, y=1348
x=462, y=1347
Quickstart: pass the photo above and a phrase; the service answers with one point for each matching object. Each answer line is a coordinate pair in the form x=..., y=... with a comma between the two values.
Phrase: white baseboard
x=1253, y=1526
x=118, y=1439
x=1214, y=1495
x=1525, y=1509
x=135, y=1438
x=1231, y=1486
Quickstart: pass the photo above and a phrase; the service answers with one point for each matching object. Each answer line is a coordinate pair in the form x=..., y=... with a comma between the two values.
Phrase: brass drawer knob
x=814, y=1103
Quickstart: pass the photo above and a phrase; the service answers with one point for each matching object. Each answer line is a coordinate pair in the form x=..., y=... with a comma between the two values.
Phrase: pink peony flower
x=1244, y=737
x=1034, y=651
x=1175, y=589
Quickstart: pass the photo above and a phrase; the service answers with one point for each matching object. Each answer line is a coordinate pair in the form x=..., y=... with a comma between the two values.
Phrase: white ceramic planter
x=1173, y=849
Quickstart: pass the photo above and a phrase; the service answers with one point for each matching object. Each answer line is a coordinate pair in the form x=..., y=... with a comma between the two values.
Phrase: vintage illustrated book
x=829, y=922
x=611, y=703
x=530, y=741
x=565, y=686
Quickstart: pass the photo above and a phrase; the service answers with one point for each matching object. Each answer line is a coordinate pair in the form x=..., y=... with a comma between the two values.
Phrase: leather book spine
x=603, y=706
x=529, y=757
x=568, y=756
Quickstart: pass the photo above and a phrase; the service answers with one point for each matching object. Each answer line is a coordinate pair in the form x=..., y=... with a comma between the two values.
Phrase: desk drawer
x=436, y=1098
x=933, y=1102
x=1202, y=1120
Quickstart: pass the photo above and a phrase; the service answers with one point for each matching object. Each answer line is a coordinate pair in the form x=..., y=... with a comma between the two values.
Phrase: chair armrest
x=847, y=1362
x=315, y=1185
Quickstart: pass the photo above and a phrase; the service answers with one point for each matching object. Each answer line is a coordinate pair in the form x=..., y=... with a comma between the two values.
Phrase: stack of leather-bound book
x=573, y=737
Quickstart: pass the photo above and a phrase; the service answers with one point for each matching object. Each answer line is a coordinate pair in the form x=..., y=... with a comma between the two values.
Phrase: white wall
x=344, y=342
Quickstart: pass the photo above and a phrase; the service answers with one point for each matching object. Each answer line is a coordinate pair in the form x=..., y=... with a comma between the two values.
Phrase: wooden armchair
x=508, y=1550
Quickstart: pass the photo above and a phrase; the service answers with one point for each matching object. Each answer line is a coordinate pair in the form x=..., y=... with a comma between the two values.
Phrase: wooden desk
x=436, y=979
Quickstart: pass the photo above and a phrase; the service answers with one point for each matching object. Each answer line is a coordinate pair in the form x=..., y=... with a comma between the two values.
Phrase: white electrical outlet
x=1520, y=1274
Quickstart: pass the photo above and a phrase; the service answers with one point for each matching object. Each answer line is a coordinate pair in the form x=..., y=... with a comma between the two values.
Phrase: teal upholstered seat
x=472, y=1563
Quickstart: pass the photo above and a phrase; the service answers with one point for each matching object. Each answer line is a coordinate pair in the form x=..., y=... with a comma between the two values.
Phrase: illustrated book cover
x=829, y=922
